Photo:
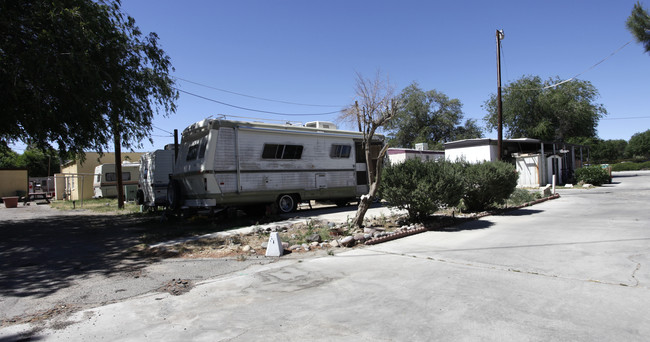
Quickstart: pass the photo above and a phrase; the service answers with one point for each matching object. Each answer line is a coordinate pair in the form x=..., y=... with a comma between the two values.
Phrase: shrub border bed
x=400, y=235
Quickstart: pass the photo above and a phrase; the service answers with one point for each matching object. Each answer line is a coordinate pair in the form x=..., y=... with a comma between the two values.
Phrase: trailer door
x=361, y=169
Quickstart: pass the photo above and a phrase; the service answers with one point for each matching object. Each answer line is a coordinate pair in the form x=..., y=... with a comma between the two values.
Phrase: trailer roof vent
x=321, y=124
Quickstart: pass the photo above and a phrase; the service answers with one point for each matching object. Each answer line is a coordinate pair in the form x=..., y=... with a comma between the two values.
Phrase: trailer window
x=275, y=151
x=192, y=152
x=203, y=145
x=340, y=151
x=112, y=176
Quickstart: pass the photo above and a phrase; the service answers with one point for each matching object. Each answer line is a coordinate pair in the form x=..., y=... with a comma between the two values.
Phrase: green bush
x=629, y=166
x=521, y=196
x=421, y=188
x=488, y=184
x=594, y=175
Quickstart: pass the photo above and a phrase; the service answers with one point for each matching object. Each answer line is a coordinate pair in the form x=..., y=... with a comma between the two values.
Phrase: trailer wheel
x=174, y=195
x=139, y=197
x=342, y=203
x=287, y=203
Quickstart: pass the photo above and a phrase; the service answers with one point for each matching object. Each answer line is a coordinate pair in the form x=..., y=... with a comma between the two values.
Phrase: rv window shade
x=204, y=143
x=340, y=151
x=112, y=177
x=192, y=152
x=275, y=151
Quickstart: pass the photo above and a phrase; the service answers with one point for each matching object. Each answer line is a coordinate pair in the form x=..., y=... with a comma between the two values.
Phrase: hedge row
x=594, y=175
x=630, y=166
x=422, y=188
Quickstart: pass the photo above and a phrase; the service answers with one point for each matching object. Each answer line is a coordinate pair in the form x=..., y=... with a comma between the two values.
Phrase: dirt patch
x=58, y=311
x=177, y=287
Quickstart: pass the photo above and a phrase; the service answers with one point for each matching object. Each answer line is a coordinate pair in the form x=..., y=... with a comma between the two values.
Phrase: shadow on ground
x=38, y=257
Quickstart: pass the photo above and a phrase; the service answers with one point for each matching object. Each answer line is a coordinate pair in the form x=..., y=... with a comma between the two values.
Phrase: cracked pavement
x=575, y=268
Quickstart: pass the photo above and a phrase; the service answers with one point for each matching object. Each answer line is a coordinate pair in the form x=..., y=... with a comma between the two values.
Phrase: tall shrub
x=594, y=175
x=487, y=184
x=421, y=188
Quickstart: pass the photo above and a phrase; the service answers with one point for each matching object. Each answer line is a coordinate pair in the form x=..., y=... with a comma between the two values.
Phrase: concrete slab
x=575, y=268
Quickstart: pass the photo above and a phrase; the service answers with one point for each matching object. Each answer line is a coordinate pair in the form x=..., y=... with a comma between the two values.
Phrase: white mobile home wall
x=230, y=168
x=105, y=183
x=156, y=168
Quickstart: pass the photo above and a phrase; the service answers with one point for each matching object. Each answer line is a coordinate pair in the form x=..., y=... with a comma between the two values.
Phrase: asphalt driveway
x=575, y=268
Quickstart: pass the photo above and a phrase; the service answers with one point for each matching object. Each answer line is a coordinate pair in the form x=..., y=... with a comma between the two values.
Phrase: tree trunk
x=375, y=180
x=118, y=170
x=364, y=205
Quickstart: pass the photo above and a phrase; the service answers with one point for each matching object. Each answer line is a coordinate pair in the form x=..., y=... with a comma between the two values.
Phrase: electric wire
x=628, y=118
x=574, y=77
x=254, y=97
x=162, y=130
x=254, y=110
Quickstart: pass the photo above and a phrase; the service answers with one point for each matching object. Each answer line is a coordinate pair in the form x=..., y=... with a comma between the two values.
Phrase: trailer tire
x=174, y=196
x=287, y=203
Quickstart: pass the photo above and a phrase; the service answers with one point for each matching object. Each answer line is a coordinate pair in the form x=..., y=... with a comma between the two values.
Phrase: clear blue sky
x=309, y=51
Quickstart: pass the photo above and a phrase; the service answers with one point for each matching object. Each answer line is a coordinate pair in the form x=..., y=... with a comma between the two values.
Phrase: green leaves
x=429, y=117
x=74, y=71
x=638, y=23
x=564, y=111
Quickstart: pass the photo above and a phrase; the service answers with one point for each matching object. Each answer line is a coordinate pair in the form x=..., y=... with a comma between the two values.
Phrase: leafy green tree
x=547, y=110
x=429, y=117
x=639, y=145
x=609, y=150
x=40, y=163
x=80, y=74
x=639, y=25
x=8, y=158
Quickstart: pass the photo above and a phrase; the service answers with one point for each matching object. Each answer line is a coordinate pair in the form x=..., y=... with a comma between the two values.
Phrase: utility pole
x=500, y=36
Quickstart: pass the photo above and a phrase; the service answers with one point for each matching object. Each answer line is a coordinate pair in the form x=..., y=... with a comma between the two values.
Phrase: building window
x=340, y=151
x=276, y=151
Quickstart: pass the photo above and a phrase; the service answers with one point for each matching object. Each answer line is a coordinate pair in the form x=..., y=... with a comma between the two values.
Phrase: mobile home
x=233, y=163
x=156, y=168
x=105, y=180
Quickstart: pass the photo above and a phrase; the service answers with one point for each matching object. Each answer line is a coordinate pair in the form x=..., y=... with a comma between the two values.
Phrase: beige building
x=75, y=181
x=13, y=182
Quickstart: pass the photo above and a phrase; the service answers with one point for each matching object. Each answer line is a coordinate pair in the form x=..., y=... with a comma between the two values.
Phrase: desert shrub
x=626, y=167
x=487, y=184
x=594, y=175
x=630, y=166
x=521, y=196
x=421, y=188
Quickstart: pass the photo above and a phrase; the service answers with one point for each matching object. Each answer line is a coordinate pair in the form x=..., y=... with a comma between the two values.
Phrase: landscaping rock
x=247, y=248
x=334, y=243
x=314, y=238
x=347, y=241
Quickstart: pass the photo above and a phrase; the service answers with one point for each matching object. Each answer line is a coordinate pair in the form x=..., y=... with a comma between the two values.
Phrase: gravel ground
x=55, y=262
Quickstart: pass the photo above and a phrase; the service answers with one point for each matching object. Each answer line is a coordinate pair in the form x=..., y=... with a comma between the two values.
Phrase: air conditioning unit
x=321, y=124
x=422, y=146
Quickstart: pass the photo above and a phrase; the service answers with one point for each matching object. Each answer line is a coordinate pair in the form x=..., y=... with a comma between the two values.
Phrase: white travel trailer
x=231, y=163
x=105, y=180
x=155, y=170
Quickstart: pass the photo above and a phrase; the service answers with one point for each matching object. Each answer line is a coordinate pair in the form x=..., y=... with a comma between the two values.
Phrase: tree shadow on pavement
x=39, y=257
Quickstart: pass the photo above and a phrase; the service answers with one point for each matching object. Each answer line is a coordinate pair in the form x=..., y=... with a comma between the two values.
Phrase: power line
x=253, y=110
x=574, y=77
x=255, y=97
x=168, y=132
x=628, y=118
